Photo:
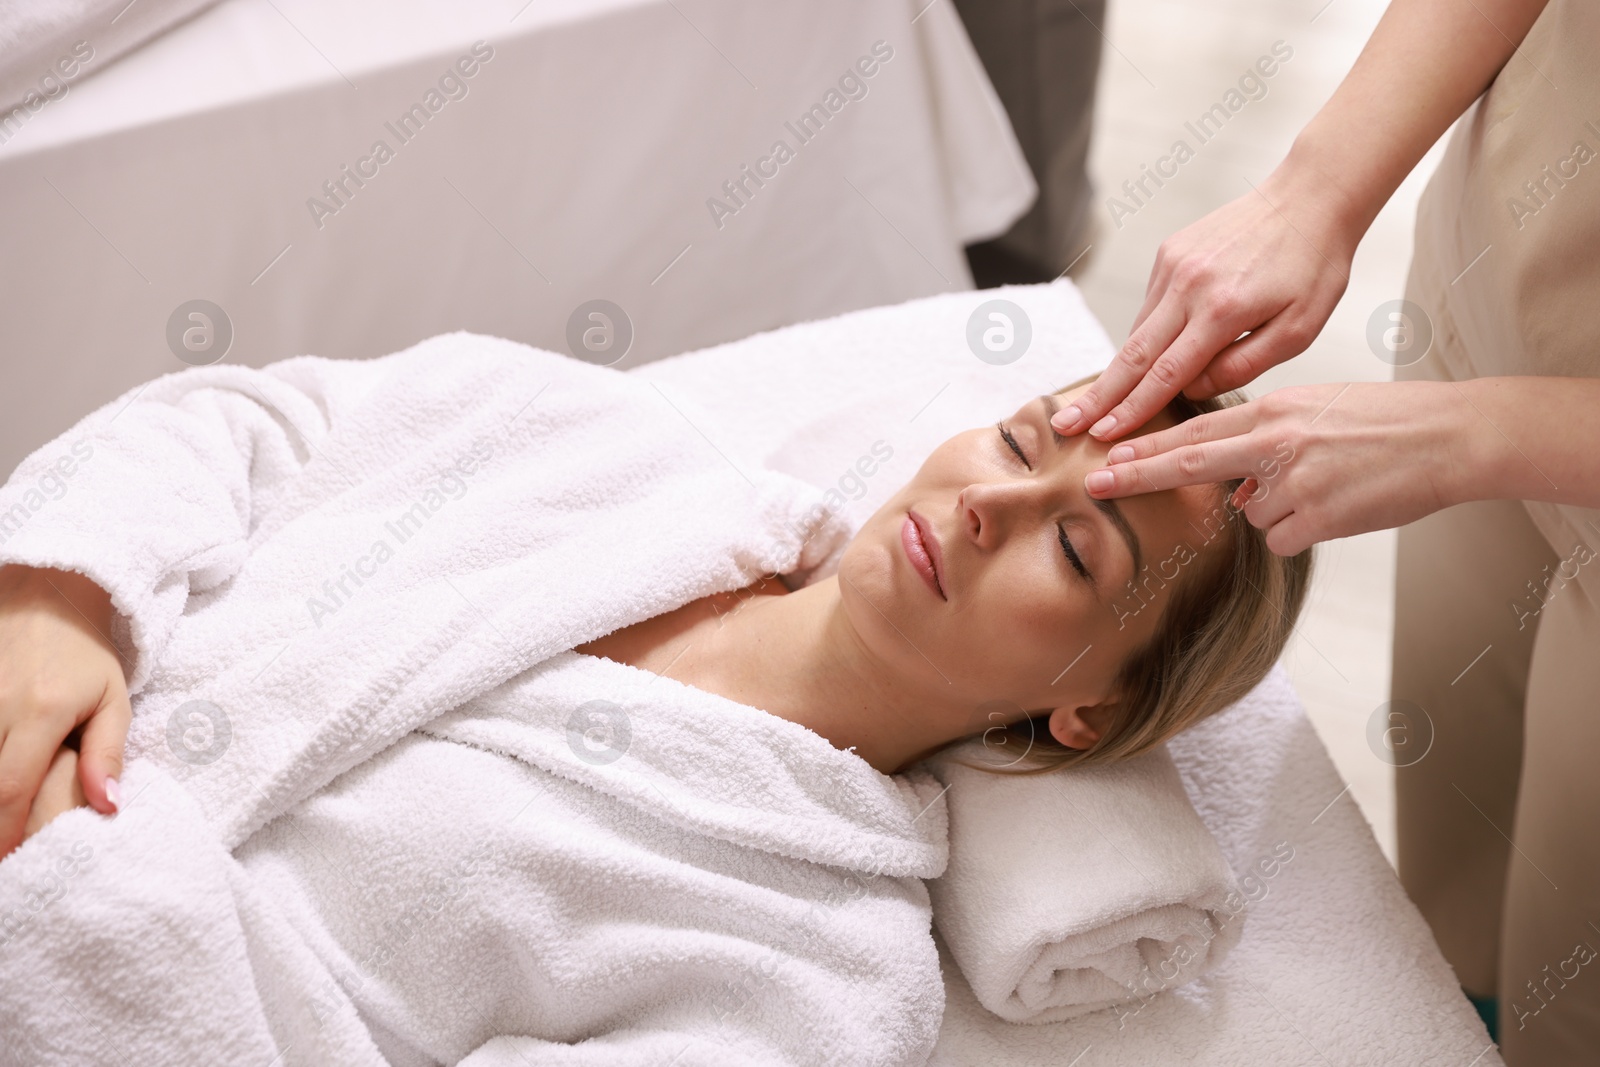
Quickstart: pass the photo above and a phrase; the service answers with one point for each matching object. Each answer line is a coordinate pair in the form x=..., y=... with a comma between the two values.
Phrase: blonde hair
x=1224, y=626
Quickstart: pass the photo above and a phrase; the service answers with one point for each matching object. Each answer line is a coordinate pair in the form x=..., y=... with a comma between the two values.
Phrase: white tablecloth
x=575, y=164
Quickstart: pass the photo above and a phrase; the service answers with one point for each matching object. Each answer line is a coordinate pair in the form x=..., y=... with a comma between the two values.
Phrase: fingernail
x=1067, y=418
x=114, y=793
x=1104, y=426
x=1119, y=453
x=1099, y=481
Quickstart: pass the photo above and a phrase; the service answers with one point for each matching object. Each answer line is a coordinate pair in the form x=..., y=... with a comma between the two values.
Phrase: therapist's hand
x=58, y=671
x=1323, y=461
x=1271, y=264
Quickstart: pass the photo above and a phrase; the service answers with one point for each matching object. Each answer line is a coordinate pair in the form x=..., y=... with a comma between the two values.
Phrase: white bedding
x=575, y=165
x=1335, y=965
x=46, y=45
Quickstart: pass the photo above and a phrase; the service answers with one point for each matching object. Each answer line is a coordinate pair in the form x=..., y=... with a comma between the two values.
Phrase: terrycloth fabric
x=315, y=559
x=380, y=541
x=1125, y=896
x=694, y=876
x=1330, y=936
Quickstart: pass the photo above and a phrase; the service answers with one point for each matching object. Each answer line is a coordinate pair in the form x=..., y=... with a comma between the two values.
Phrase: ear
x=1081, y=727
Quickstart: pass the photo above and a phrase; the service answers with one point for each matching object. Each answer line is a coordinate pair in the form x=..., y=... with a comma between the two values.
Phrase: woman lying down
x=485, y=711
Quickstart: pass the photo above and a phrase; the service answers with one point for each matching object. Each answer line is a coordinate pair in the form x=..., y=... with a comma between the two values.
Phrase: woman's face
x=1026, y=604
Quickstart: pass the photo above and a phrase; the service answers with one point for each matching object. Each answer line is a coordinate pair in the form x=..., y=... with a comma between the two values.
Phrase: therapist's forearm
x=1531, y=438
x=1425, y=63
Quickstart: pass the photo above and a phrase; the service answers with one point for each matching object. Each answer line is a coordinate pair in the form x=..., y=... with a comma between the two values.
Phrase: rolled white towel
x=1075, y=890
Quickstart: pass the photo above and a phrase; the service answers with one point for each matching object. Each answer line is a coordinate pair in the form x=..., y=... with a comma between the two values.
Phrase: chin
x=867, y=586
x=866, y=569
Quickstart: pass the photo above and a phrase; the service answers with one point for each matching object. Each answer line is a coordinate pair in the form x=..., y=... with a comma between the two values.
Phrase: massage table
x=578, y=166
x=1335, y=965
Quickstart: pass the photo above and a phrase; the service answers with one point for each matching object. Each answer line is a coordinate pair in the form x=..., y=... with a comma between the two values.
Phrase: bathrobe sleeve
x=157, y=495
x=140, y=939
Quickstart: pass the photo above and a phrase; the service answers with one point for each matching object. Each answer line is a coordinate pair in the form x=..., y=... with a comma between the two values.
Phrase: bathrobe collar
x=710, y=764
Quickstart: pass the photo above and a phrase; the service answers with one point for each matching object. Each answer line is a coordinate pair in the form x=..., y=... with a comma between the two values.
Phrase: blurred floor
x=1166, y=64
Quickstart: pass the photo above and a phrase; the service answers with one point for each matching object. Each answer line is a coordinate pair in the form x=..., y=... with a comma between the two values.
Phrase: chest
x=657, y=643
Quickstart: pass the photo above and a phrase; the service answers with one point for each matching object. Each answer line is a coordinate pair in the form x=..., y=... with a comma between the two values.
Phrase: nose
x=986, y=510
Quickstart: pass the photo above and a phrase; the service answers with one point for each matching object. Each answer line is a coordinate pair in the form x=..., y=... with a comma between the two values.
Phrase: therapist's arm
x=1538, y=438
x=1273, y=263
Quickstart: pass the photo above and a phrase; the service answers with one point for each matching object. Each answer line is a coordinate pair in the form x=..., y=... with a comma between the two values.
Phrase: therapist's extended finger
x=1251, y=356
x=1208, y=462
x=1125, y=371
x=1212, y=426
x=1188, y=356
x=25, y=756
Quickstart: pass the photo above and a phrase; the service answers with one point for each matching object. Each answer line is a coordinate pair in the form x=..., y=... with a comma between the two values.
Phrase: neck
x=798, y=657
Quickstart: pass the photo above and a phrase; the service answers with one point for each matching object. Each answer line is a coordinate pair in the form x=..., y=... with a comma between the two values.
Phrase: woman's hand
x=1324, y=461
x=59, y=791
x=1271, y=265
x=58, y=671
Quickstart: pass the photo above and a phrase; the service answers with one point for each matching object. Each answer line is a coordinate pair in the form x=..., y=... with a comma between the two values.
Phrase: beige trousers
x=1499, y=824
x=1497, y=629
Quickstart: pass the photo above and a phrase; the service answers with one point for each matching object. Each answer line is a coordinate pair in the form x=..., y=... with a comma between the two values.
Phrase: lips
x=922, y=549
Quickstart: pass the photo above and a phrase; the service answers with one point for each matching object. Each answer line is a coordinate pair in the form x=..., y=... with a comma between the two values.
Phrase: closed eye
x=1061, y=533
x=1005, y=435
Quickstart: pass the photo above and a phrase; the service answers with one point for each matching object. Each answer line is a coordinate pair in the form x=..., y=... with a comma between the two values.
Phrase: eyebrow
x=1107, y=508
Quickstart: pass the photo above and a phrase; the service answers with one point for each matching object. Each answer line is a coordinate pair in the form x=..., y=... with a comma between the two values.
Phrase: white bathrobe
x=377, y=810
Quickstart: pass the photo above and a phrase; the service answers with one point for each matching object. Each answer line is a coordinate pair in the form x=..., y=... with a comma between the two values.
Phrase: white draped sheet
x=577, y=166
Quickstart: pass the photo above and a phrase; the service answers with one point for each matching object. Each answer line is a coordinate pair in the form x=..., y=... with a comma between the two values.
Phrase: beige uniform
x=1497, y=623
